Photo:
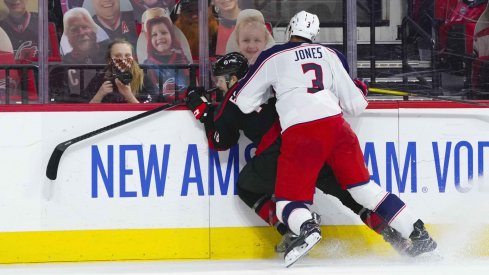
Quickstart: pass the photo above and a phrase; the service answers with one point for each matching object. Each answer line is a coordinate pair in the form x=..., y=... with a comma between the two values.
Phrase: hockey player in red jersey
x=256, y=180
x=313, y=90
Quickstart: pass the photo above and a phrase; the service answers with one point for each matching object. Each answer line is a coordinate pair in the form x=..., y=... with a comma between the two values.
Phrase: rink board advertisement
x=153, y=190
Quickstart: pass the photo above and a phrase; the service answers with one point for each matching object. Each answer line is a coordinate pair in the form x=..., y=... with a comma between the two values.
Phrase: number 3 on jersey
x=317, y=82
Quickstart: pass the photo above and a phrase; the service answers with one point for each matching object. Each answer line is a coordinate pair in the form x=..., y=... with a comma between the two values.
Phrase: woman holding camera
x=123, y=80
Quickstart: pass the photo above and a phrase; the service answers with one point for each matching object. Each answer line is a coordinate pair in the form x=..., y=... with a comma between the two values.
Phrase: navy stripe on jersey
x=342, y=58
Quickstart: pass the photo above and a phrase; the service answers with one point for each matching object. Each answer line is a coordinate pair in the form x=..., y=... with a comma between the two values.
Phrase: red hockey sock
x=266, y=211
x=373, y=220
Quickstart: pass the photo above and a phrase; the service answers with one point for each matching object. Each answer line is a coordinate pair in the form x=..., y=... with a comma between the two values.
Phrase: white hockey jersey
x=309, y=80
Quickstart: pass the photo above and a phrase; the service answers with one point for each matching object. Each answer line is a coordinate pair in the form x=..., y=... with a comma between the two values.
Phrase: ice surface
x=331, y=266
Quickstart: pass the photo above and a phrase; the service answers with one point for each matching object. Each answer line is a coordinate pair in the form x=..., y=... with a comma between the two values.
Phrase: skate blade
x=295, y=254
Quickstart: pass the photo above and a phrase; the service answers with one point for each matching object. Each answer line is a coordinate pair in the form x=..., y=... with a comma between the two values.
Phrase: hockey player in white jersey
x=313, y=90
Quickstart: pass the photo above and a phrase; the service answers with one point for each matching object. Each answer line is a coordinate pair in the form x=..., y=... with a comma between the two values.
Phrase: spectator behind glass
x=107, y=87
x=81, y=33
x=188, y=22
x=115, y=23
x=21, y=27
x=227, y=11
x=164, y=49
x=142, y=48
x=7, y=58
x=250, y=36
x=140, y=6
x=480, y=66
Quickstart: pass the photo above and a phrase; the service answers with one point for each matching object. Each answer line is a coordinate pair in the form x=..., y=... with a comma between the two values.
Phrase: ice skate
x=289, y=237
x=395, y=239
x=421, y=242
x=310, y=235
x=316, y=217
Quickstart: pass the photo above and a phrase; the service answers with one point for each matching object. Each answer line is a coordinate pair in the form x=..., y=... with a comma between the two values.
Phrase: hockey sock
x=395, y=212
x=293, y=214
x=388, y=206
x=265, y=208
x=404, y=222
x=372, y=220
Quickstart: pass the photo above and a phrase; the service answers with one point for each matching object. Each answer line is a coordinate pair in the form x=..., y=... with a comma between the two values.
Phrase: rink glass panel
x=433, y=48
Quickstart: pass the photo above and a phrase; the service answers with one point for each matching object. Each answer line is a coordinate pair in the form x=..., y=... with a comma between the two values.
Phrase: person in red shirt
x=227, y=11
x=480, y=65
x=21, y=27
x=8, y=86
x=164, y=49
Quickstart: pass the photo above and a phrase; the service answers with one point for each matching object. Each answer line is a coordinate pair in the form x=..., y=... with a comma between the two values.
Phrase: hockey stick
x=53, y=163
x=399, y=93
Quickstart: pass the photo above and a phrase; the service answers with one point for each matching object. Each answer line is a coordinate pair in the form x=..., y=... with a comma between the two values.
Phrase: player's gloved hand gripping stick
x=53, y=163
x=198, y=103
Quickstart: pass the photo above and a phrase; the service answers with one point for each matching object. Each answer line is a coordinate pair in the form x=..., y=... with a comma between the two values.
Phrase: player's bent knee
x=250, y=198
x=368, y=195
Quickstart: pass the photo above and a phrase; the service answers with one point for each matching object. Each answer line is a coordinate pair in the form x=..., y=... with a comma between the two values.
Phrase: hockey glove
x=361, y=85
x=197, y=103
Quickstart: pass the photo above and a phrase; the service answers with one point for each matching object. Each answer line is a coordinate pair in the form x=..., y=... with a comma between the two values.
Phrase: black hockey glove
x=197, y=103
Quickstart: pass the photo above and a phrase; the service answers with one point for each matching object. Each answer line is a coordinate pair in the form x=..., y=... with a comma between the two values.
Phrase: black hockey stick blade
x=53, y=163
